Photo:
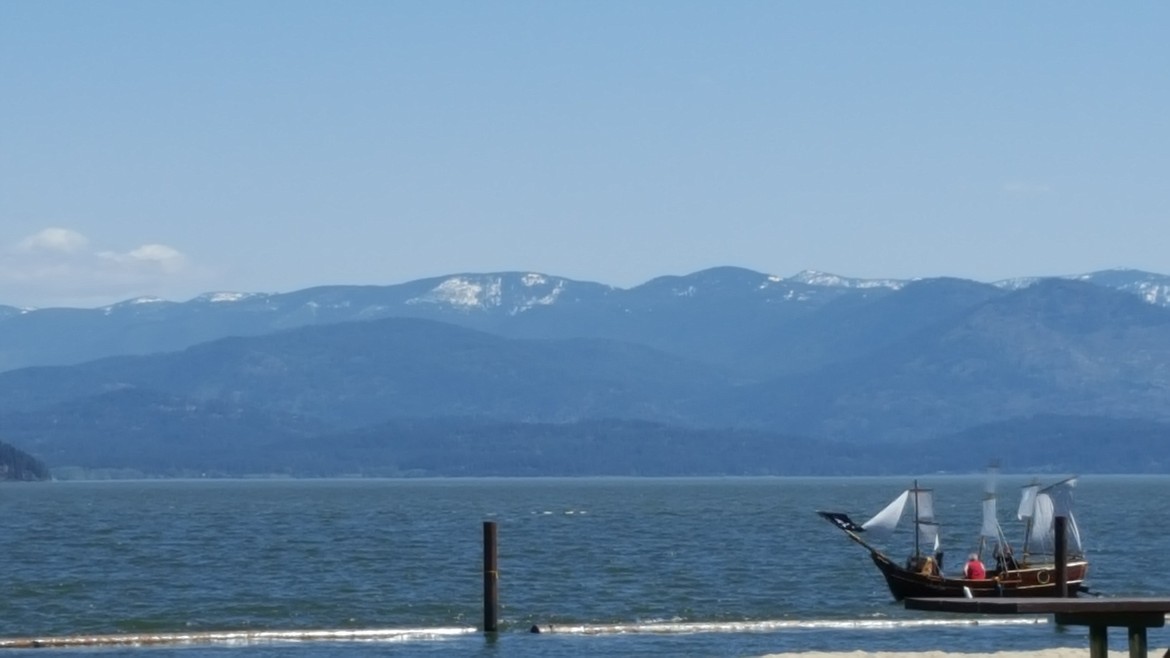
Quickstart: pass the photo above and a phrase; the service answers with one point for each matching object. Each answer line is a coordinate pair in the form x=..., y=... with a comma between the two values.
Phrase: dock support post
x=1098, y=642
x=491, y=578
x=1138, y=645
x=1061, y=556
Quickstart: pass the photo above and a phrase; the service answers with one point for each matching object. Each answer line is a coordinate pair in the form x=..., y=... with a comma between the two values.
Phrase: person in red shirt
x=974, y=568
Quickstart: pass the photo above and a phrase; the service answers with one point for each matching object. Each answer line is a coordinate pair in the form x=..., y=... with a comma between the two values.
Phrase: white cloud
x=58, y=267
x=54, y=239
x=168, y=259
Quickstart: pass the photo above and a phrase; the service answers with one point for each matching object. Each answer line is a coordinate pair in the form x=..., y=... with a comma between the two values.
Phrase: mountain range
x=724, y=371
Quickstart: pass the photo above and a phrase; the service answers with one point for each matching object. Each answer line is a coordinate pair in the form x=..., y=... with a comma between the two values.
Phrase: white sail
x=928, y=535
x=927, y=529
x=1047, y=504
x=1042, y=521
x=923, y=504
x=1074, y=536
x=990, y=522
x=884, y=522
x=1061, y=495
x=1027, y=501
x=989, y=485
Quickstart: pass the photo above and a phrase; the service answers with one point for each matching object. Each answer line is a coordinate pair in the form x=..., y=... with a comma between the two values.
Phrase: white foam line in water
x=236, y=637
x=244, y=638
x=776, y=625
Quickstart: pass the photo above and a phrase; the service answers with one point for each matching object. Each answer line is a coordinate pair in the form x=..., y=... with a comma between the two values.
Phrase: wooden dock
x=1135, y=614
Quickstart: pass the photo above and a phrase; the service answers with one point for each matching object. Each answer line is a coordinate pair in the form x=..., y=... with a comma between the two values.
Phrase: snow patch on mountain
x=797, y=296
x=136, y=303
x=545, y=300
x=1153, y=293
x=1151, y=288
x=1017, y=283
x=225, y=297
x=514, y=293
x=463, y=292
x=824, y=279
x=6, y=311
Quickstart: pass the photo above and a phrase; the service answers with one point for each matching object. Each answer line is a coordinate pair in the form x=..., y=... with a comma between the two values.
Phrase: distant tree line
x=203, y=444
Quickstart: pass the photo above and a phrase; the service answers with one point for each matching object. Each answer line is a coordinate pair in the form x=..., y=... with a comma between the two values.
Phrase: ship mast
x=916, y=520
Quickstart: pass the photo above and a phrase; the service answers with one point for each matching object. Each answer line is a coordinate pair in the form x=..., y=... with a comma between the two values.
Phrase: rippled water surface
x=714, y=567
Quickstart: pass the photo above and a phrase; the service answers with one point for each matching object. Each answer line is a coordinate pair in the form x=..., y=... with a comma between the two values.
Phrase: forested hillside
x=727, y=372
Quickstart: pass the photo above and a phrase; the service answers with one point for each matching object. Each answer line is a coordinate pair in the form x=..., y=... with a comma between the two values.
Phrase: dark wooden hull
x=1037, y=580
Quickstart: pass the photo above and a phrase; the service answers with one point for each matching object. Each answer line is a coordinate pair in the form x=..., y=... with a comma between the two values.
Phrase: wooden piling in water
x=1061, y=555
x=491, y=578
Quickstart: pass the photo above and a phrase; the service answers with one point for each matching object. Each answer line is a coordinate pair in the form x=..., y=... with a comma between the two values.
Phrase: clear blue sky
x=174, y=148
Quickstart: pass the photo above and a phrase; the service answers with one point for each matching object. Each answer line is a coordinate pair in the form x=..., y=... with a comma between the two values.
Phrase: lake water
x=619, y=567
